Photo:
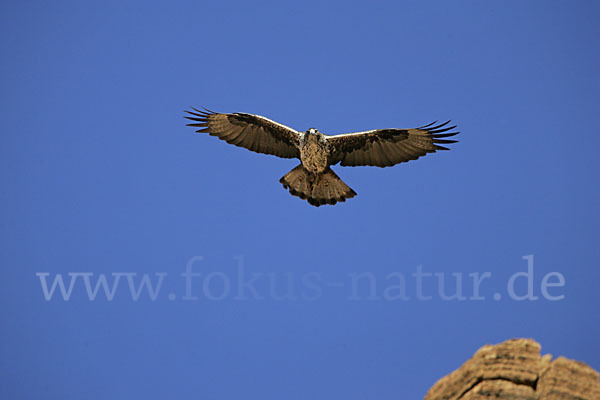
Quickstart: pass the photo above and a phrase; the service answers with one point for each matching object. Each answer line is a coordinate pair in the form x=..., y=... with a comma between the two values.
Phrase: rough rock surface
x=515, y=370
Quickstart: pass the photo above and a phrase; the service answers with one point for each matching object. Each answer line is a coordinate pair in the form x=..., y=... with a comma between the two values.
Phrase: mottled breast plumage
x=314, y=153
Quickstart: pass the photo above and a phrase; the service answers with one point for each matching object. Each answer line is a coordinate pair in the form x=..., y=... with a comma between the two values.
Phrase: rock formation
x=515, y=370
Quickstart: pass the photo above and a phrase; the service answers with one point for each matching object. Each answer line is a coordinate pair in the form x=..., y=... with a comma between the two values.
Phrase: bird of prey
x=313, y=180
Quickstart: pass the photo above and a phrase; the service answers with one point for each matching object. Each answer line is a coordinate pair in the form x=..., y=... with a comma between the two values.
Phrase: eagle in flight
x=313, y=179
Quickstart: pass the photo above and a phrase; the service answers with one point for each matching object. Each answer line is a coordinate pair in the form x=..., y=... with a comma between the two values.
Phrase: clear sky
x=102, y=179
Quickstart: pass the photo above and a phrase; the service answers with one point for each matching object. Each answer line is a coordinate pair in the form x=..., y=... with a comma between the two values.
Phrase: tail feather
x=319, y=189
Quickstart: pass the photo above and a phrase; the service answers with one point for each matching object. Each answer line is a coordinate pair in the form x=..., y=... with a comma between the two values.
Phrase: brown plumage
x=313, y=179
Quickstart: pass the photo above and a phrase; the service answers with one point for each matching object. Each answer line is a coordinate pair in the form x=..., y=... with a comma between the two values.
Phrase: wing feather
x=253, y=132
x=387, y=147
x=386, y=154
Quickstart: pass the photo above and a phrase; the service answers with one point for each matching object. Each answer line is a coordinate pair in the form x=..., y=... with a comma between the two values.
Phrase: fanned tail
x=317, y=189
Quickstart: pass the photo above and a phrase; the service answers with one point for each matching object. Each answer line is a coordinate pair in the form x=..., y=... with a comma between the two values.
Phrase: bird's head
x=312, y=131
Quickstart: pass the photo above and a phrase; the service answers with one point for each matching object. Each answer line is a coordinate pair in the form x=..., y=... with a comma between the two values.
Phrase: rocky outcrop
x=515, y=370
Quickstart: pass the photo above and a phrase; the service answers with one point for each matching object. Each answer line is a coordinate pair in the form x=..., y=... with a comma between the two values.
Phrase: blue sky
x=101, y=176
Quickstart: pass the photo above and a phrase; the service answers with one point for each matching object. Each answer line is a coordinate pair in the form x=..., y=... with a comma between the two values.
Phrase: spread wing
x=387, y=147
x=253, y=132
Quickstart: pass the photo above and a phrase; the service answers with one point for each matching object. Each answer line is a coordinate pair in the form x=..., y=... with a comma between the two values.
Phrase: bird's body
x=314, y=152
x=313, y=179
